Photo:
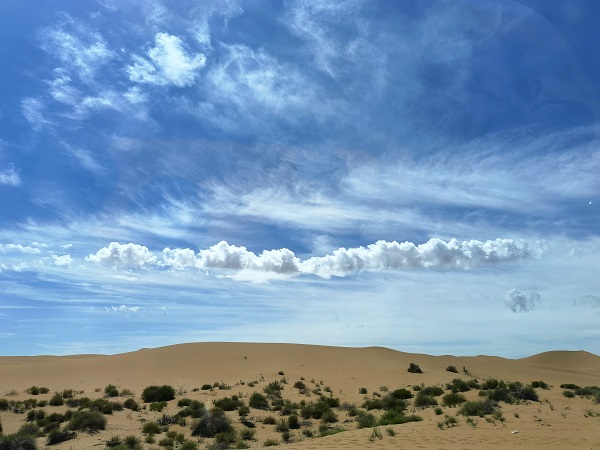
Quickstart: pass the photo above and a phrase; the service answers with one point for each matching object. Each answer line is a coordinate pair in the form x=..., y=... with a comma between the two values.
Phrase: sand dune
x=555, y=422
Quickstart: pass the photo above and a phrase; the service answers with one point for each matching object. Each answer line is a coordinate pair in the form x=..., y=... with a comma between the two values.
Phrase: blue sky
x=421, y=175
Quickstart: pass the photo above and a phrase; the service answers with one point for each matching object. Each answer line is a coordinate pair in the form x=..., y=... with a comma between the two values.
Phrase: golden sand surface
x=554, y=422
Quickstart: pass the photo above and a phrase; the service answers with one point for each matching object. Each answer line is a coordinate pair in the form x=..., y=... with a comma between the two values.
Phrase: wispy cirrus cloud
x=167, y=63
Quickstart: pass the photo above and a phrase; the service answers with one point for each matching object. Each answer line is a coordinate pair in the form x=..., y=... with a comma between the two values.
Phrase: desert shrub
x=81, y=402
x=269, y=420
x=396, y=416
x=478, y=408
x=247, y=434
x=89, y=421
x=29, y=428
x=212, y=424
x=33, y=390
x=282, y=426
x=453, y=399
x=300, y=385
x=362, y=390
x=270, y=443
x=188, y=445
x=372, y=403
x=258, y=401
x=185, y=402
x=228, y=403
x=451, y=369
x=389, y=402
x=520, y=392
x=539, y=385
x=206, y=387
x=569, y=386
x=58, y=436
x=131, y=404
x=432, y=391
x=492, y=383
x=587, y=391
x=158, y=394
x=273, y=389
x=132, y=442
x=315, y=410
x=114, y=441
x=401, y=394
x=458, y=385
x=414, y=368
x=438, y=411
x=293, y=422
x=4, y=404
x=56, y=400
x=499, y=394
x=288, y=408
x=569, y=394
x=329, y=416
x=150, y=428
x=111, y=391
x=424, y=400
x=157, y=406
x=365, y=420
x=17, y=442
x=194, y=409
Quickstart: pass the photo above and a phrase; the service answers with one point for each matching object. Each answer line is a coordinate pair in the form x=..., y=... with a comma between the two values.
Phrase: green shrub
x=269, y=420
x=569, y=394
x=451, y=369
x=329, y=416
x=492, y=383
x=58, y=436
x=273, y=389
x=396, y=416
x=293, y=422
x=414, y=368
x=362, y=390
x=365, y=420
x=539, y=384
x=258, y=401
x=438, y=411
x=282, y=426
x=17, y=442
x=247, y=434
x=401, y=394
x=270, y=443
x=453, y=399
x=4, y=404
x=587, y=391
x=157, y=406
x=131, y=404
x=89, y=421
x=150, y=428
x=478, y=408
x=212, y=424
x=300, y=385
x=458, y=385
x=424, y=400
x=569, y=386
x=111, y=391
x=229, y=403
x=432, y=391
x=206, y=387
x=163, y=393
x=56, y=400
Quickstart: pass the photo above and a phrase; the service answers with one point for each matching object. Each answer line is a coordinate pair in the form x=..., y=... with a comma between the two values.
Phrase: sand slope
x=556, y=422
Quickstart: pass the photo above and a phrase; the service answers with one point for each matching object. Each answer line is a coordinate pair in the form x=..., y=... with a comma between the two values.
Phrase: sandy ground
x=555, y=422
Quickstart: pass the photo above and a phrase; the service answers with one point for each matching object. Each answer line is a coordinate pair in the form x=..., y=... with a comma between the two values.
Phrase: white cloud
x=10, y=177
x=167, y=64
x=129, y=256
x=435, y=254
x=63, y=260
x=33, y=110
x=83, y=51
x=19, y=248
x=123, y=309
x=85, y=158
x=519, y=301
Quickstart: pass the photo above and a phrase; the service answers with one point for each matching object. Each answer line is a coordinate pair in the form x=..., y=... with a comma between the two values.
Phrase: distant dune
x=555, y=422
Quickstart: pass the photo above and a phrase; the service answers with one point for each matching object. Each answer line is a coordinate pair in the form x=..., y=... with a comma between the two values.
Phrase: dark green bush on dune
x=153, y=394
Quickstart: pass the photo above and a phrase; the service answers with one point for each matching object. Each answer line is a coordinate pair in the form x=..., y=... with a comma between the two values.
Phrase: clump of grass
x=375, y=434
x=151, y=428
x=438, y=411
x=270, y=443
x=478, y=408
x=269, y=420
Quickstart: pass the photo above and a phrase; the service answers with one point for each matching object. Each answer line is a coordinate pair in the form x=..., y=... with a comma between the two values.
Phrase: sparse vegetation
x=414, y=368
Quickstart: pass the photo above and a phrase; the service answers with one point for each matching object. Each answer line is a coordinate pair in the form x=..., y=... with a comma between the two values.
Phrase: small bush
x=111, y=391
x=131, y=404
x=365, y=420
x=270, y=443
x=398, y=417
x=58, y=436
x=163, y=393
x=569, y=394
x=569, y=386
x=300, y=385
x=293, y=422
x=540, y=385
x=17, y=442
x=401, y=394
x=247, y=434
x=424, y=400
x=414, y=368
x=212, y=424
x=269, y=420
x=438, y=411
x=433, y=391
x=273, y=389
x=229, y=403
x=157, y=406
x=451, y=369
x=362, y=390
x=458, y=385
x=150, y=428
x=89, y=421
x=478, y=408
x=258, y=401
x=453, y=399
x=282, y=426
x=56, y=400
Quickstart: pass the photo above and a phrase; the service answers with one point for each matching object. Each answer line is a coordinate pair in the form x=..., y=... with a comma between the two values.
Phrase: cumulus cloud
x=63, y=260
x=519, y=301
x=10, y=177
x=129, y=256
x=19, y=248
x=167, y=64
x=434, y=254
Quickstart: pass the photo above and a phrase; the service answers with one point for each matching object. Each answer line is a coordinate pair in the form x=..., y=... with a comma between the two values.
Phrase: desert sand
x=553, y=422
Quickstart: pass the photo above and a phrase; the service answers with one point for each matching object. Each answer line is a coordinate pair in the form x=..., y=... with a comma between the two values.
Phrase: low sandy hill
x=555, y=422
